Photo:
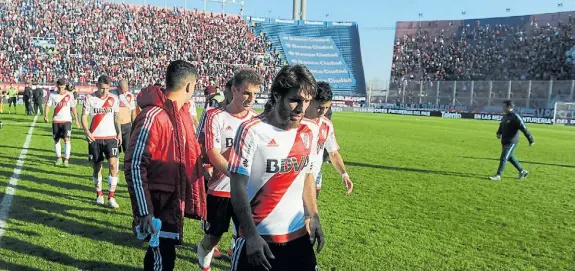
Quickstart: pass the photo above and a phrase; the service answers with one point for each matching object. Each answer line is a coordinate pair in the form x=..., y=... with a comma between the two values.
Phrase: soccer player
x=12, y=94
x=104, y=135
x=316, y=113
x=127, y=113
x=162, y=173
x=508, y=132
x=63, y=103
x=220, y=129
x=272, y=186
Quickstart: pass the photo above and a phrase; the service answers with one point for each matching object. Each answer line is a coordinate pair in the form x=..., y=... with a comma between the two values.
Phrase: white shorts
x=318, y=180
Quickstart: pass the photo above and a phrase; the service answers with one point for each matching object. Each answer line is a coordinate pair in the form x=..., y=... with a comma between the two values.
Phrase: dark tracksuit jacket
x=509, y=128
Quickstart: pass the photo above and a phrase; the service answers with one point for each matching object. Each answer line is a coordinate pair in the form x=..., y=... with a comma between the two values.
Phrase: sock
x=207, y=259
x=112, y=183
x=58, y=149
x=98, y=184
x=67, y=150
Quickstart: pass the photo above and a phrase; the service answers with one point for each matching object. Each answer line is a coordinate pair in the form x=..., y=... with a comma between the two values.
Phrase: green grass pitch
x=422, y=201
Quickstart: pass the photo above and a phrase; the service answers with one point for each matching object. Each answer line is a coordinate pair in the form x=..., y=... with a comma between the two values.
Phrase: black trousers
x=161, y=258
x=508, y=154
x=27, y=105
x=38, y=107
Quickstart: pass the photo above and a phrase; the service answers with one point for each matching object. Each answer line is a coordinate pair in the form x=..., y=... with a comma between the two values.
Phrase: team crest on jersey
x=110, y=102
x=323, y=133
x=306, y=140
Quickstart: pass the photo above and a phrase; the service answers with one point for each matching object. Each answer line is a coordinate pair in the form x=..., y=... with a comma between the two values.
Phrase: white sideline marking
x=11, y=187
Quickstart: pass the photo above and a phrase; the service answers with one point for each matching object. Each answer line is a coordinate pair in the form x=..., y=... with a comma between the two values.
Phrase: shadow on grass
x=56, y=257
x=12, y=266
x=30, y=165
x=19, y=148
x=522, y=162
x=416, y=170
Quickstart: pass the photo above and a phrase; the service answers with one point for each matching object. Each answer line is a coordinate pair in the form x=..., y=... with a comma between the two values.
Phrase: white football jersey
x=127, y=100
x=62, y=105
x=102, y=112
x=277, y=162
x=220, y=130
x=325, y=140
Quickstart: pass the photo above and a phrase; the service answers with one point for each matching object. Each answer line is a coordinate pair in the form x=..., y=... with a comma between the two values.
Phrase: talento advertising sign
x=321, y=56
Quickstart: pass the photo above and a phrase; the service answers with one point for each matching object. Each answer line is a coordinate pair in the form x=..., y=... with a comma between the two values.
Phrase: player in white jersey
x=316, y=112
x=64, y=105
x=272, y=186
x=104, y=134
x=220, y=129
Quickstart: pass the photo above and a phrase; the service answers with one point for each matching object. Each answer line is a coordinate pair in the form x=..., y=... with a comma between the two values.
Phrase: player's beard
x=289, y=118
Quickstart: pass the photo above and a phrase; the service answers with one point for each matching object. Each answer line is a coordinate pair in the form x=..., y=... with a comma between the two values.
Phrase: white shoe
x=495, y=178
x=204, y=258
x=100, y=200
x=112, y=203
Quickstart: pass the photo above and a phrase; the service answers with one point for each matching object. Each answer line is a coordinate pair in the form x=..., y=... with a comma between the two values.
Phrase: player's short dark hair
x=229, y=85
x=61, y=82
x=290, y=77
x=104, y=79
x=246, y=75
x=508, y=103
x=178, y=73
x=324, y=92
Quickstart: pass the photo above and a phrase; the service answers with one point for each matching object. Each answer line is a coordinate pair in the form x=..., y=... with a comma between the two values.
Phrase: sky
x=377, y=18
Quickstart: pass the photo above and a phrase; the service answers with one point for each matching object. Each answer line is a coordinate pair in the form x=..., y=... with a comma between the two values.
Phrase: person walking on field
x=163, y=167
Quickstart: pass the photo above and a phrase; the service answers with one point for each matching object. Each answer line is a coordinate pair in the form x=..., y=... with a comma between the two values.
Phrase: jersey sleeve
x=331, y=142
x=86, y=105
x=245, y=145
x=50, y=101
x=116, y=106
x=72, y=101
x=213, y=134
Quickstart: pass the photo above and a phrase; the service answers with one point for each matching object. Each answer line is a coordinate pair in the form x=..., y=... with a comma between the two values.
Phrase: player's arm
x=47, y=108
x=311, y=211
x=73, y=108
x=337, y=161
x=133, y=107
x=117, y=124
x=499, y=130
x=85, y=125
x=523, y=128
x=212, y=142
x=240, y=165
x=137, y=163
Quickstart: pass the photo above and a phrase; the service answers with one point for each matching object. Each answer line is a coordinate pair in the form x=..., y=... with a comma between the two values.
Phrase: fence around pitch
x=526, y=94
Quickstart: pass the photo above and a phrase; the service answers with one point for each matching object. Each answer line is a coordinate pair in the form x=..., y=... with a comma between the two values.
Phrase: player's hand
x=119, y=138
x=531, y=144
x=90, y=137
x=348, y=184
x=316, y=233
x=258, y=252
x=146, y=225
x=498, y=136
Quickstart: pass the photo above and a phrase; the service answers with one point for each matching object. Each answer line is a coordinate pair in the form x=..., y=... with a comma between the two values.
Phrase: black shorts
x=99, y=149
x=294, y=255
x=126, y=132
x=61, y=130
x=220, y=212
x=12, y=101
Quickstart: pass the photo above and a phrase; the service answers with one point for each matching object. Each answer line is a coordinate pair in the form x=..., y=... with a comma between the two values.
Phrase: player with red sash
x=104, y=134
x=326, y=141
x=64, y=105
x=220, y=129
x=272, y=185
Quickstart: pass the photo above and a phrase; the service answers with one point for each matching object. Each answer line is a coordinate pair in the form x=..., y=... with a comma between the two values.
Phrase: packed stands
x=535, y=47
x=42, y=40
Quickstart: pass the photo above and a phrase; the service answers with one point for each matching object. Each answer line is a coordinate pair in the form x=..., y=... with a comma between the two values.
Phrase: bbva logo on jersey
x=286, y=165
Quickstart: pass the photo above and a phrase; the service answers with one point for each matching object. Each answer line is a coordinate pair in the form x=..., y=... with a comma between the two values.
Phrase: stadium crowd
x=124, y=41
x=527, y=51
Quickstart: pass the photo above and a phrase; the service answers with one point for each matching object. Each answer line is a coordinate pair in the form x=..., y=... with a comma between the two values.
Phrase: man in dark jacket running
x=163, y=167
x=508, y=132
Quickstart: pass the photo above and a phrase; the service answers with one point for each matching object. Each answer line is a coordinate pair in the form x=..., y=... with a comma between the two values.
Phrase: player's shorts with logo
x=12, y=101
x=126, y=132
x=294, y=255
x=61, y=130
x=102, y=148
x=220, y=212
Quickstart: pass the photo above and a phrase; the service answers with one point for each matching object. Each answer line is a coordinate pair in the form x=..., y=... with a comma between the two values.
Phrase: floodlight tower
x=299, y=9
x=224, y=2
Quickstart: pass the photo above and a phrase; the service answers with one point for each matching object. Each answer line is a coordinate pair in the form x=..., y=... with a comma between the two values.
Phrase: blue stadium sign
x=321, y=56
